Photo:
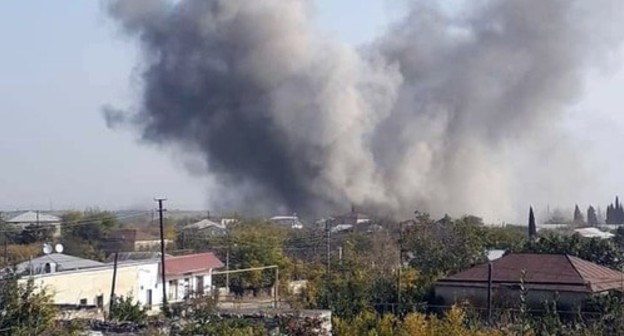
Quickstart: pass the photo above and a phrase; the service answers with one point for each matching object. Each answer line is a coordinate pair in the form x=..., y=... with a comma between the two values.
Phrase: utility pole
x=328, y=275
x=489, y=293
x=112, y=295
x=5, y=241
x=340, y=255
x=276, y=290
x=399, y=268
x=227, y=260
x=328, y=247
x=162, y=254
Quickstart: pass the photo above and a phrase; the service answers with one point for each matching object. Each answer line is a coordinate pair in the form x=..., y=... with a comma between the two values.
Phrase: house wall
x=187, y=284
x=478, y=296
x=148, y=245
x=73, y=286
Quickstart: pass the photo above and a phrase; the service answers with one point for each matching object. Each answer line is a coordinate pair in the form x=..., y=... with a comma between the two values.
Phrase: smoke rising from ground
x=427, y=116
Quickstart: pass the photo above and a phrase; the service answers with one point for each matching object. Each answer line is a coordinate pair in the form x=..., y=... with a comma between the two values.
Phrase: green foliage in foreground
x=26, y=310
x=127, y=309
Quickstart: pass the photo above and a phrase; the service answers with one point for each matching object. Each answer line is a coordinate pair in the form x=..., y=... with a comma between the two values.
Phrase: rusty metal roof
x=557, y=272
x=191, y=263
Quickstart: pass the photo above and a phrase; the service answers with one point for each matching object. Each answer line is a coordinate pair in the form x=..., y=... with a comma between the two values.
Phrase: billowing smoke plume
x=421, y=118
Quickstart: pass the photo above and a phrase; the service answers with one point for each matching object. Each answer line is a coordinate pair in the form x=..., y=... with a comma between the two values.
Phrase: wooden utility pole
x=112, y=295
x=328, y=271
x=227, y=262
x=162, y=254
x=5, y=242
x=399, y=269
x=328, y=247
x=489, y=293
x=276, y=290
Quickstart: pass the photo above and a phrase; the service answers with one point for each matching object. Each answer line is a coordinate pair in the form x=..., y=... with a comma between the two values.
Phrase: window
x=149, y=299
x=83, y=302
x=47, y=268
x=187, y=287
x=173, y=289
x=99, y=301
x=200, y=285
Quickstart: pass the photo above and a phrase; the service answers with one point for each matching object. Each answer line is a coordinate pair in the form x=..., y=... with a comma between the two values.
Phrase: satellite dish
x=58, y=248
x=47, y=249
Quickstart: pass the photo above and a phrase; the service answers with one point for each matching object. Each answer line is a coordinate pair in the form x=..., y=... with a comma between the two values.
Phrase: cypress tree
x=578, y=217
x=609, y=219
x=532, y=226
x=592, y=218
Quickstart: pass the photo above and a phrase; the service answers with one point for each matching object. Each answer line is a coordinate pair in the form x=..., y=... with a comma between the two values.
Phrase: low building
x=592, y=232
x=354, y=221
x=54, y=263
x=292, y=222
x=134, y=240
x=36, y=218
x=342, y=228
x=206, y=227
x=568, y=279
x=191, y=274
x=352, y=218
x=77, y=282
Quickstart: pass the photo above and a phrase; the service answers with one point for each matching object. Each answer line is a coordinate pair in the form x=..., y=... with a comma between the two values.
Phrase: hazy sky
x=60, y=64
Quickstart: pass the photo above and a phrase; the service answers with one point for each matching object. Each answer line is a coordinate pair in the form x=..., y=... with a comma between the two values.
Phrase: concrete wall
x=73, y=286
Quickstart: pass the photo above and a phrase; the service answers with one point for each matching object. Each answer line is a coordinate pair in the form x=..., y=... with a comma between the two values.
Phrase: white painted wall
x=88, y=284
x=190, y=281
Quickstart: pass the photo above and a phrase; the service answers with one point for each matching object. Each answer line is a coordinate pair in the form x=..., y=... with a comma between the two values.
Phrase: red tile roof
x=543, y=271
x=192, y=263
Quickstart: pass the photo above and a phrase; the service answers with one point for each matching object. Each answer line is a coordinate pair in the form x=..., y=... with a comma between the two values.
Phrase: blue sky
x=60, y=64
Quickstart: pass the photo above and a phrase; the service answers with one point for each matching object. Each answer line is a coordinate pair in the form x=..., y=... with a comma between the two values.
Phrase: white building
x=190, y=274
x=77, y=282
x=290, y=221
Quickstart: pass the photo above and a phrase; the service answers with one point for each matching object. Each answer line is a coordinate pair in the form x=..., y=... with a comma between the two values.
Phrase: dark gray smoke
x=421, y=118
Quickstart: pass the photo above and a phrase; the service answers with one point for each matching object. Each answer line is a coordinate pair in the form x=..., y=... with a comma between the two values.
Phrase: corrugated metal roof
x=61, y=262
x=31, y=217
x=192, y=263
x=205, y=223
x=554, y=272
x=593, y=232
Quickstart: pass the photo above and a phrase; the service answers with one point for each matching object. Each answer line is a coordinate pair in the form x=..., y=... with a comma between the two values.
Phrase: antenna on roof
x=47, y=249
x=58, y=248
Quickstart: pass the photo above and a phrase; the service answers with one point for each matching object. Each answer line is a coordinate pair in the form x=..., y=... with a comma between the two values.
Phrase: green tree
x=532, y=225
x=127, y=309
x=84, y=233
x=444, y=246
x=600, y=251
x=256, y=243
x=578, y=217
x=24, y=309
x=508, y=238
x=34, y=233
x=592, y=218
